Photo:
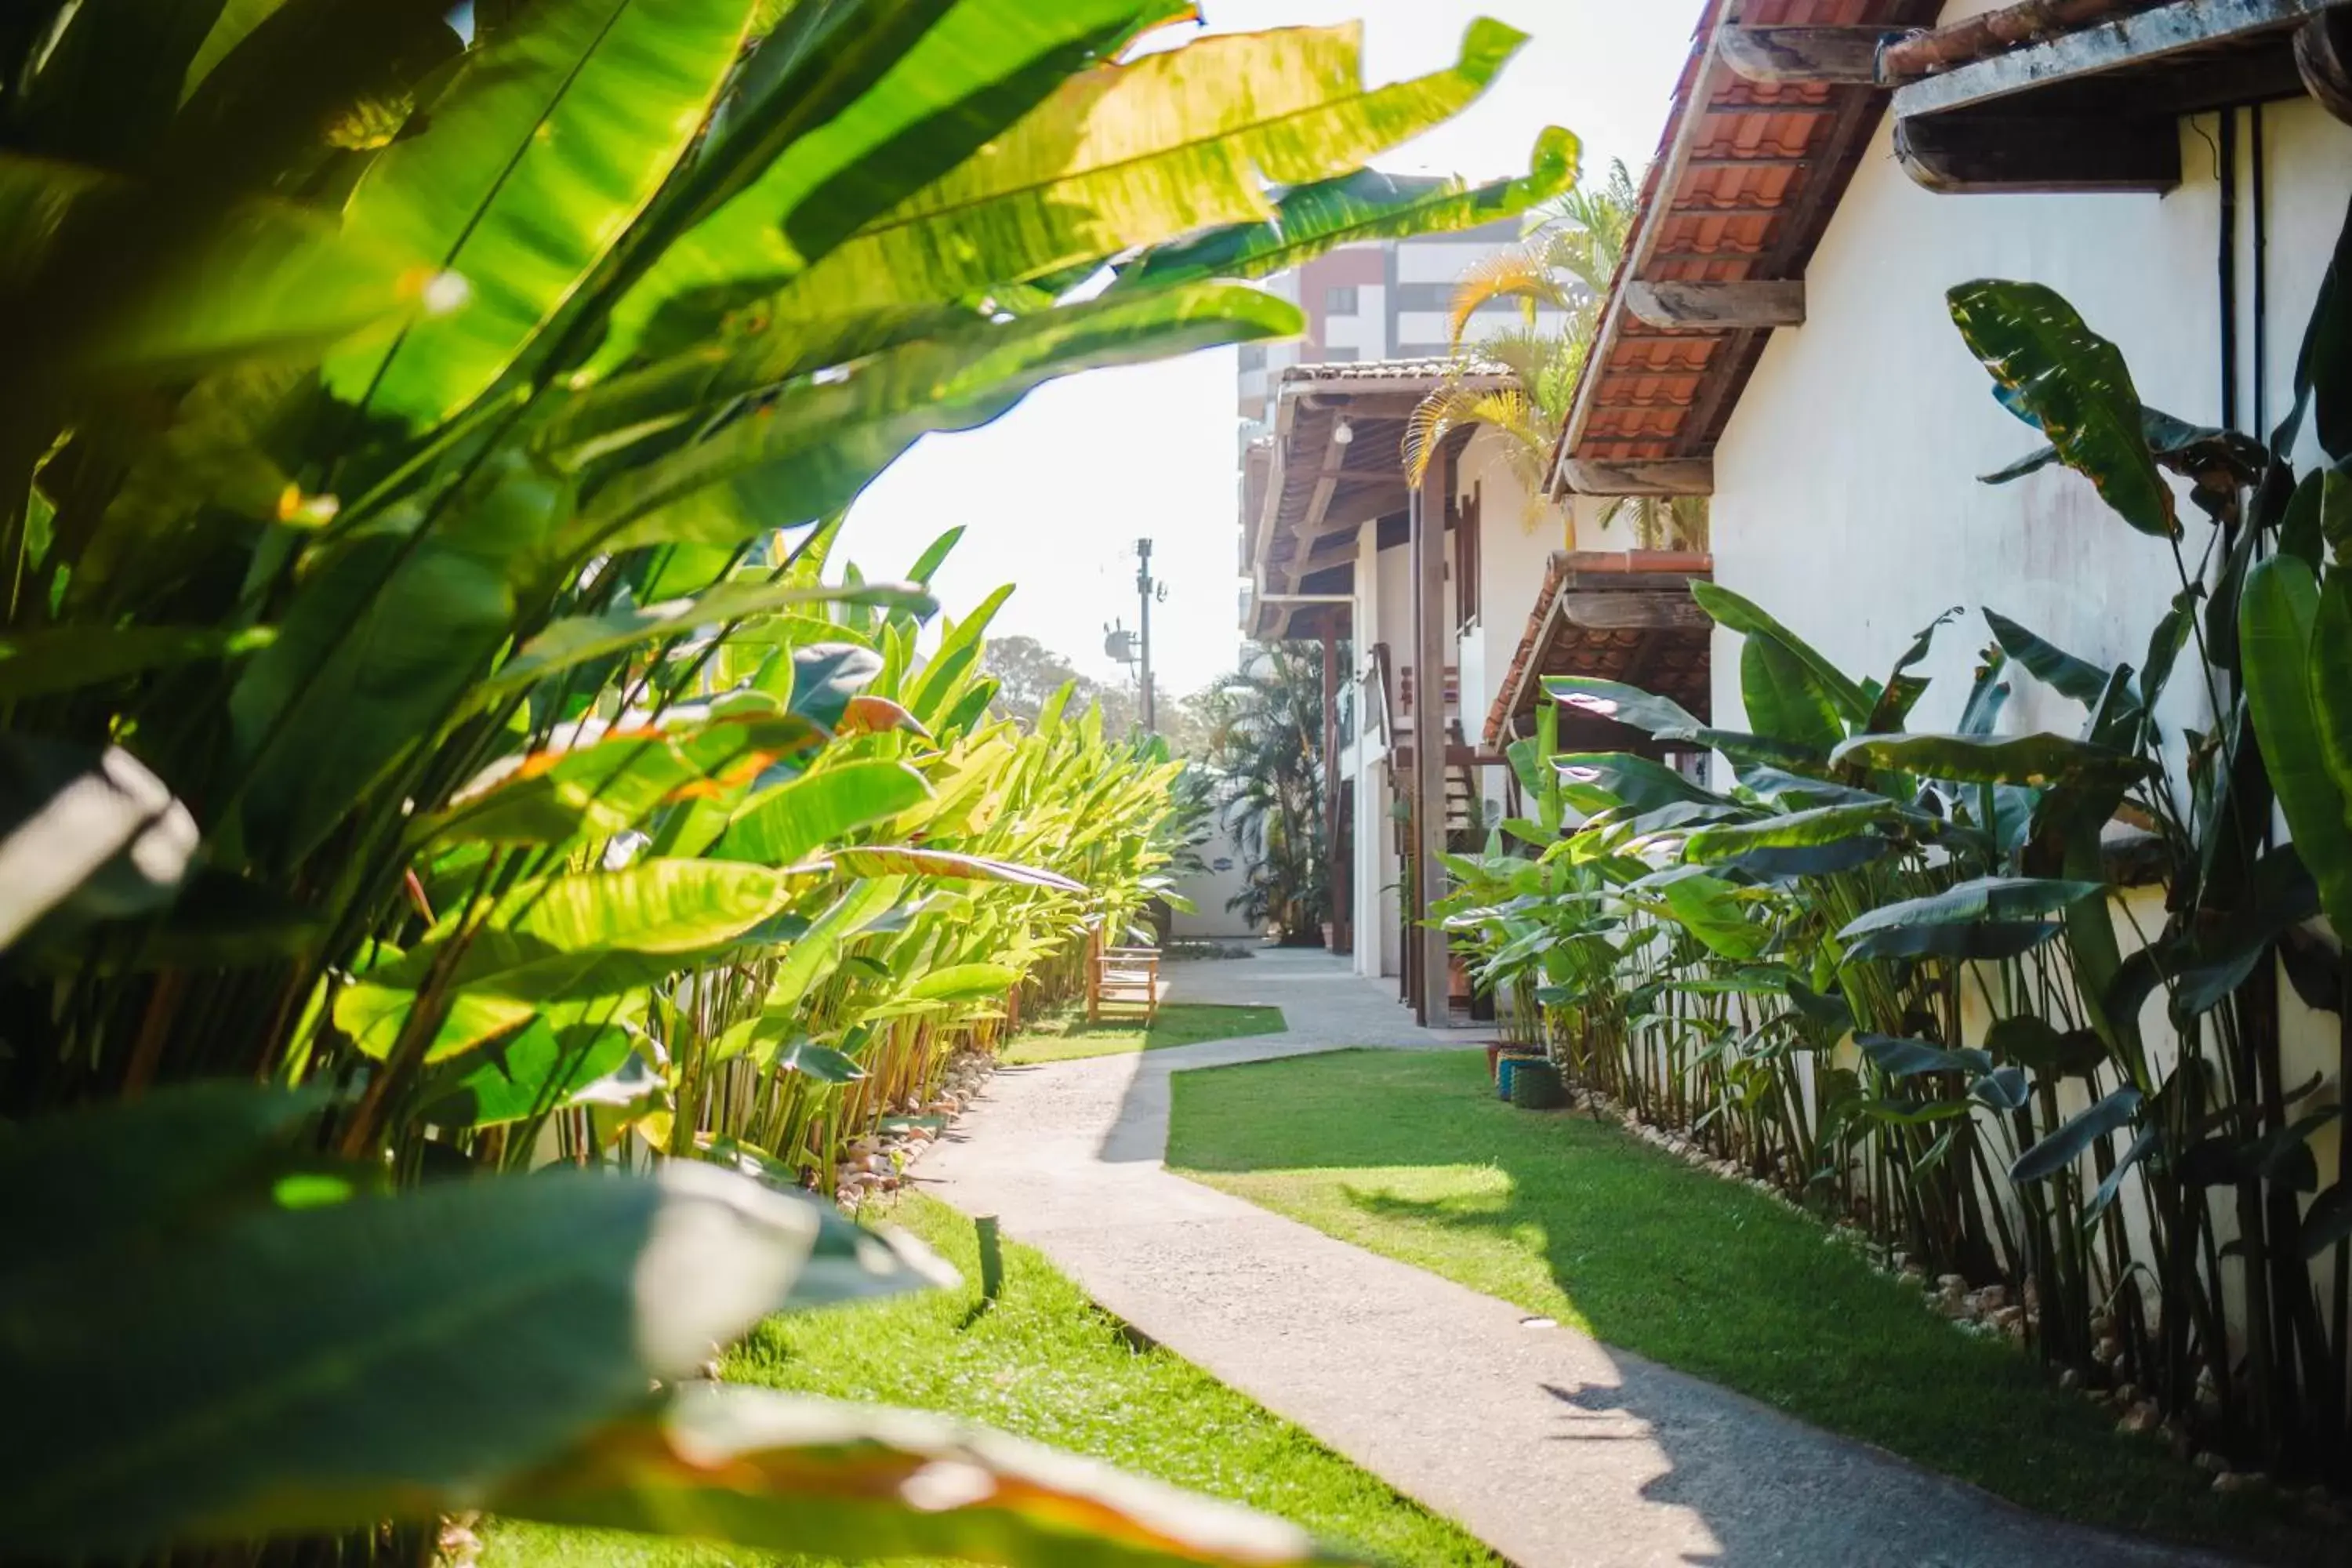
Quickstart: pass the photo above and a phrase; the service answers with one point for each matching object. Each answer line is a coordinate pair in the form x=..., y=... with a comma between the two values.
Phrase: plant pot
x=1506, y=1069
x=1538, y=1086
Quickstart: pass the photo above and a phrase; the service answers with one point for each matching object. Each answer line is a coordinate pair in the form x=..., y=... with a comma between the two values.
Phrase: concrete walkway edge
x=1555, y=1450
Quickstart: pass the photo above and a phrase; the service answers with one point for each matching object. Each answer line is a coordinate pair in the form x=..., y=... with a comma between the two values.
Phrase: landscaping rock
x=458, y=1546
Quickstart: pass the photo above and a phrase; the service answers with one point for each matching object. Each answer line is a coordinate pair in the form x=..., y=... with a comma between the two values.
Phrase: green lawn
x=1410, y=1155
x=1044, y=1365
x=1069, y=1037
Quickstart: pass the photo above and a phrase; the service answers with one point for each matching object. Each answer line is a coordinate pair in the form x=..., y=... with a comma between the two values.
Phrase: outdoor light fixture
x=1342, y=433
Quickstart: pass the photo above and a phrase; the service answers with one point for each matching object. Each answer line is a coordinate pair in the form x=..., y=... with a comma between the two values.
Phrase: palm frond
x=1518, y=273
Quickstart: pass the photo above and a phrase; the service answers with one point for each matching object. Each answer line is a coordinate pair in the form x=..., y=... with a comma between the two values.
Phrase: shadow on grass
x=1069, y=1037
x=1410, y=1156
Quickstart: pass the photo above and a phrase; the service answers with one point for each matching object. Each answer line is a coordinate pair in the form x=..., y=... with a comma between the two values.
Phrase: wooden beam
x=1954, y=154
x=2132, y=40
x=1667, y=477
x=1844, y=57
x=1365, y=505
x=1720, y=306
x=1431, y=625
x=2322, y=57
x=1611, y=611
x=1331, y=772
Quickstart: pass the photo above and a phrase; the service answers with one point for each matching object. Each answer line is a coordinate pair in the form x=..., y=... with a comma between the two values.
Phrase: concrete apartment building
x=1391, y=301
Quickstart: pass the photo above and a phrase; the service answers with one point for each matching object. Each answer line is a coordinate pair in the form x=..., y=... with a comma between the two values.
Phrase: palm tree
x=1565, y=263
x=1265, y=745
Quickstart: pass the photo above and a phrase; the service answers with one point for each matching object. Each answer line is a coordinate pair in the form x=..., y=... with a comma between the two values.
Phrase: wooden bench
x=1123, y=981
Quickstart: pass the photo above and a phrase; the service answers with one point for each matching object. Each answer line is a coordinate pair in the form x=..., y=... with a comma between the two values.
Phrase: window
x=1465, y=563
x=1339, y=300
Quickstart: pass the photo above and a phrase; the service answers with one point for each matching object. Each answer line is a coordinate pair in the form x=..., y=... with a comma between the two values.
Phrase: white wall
x=1365, y=331
x=1210, y=890
x=1852, y=456
x=1846, y=500
x=1518, y=533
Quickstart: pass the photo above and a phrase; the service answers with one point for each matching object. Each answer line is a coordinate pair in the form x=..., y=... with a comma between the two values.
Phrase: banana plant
x=1889, y=964
x=432, y=687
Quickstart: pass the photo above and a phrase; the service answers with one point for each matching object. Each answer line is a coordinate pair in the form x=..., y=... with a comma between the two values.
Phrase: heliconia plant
x=442, y=737
x=1895, y=973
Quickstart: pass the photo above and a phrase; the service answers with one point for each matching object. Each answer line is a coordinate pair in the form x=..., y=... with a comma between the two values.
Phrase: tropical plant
x=1565, y=264
x=1881, y=966
x=433, y=745
x=1265, y=754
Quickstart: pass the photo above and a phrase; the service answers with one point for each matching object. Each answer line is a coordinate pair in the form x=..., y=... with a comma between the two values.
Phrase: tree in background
x=1265, y=749
x=1027, y=674
x=1572, y=251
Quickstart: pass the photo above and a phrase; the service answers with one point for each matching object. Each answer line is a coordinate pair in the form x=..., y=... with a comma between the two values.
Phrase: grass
x=1410, y=1155
x=1044, y=1363
x=1069, y=1037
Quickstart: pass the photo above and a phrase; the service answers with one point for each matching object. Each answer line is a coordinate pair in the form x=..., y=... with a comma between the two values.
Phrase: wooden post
x=991, y=1257
x=1331, y=881
x=1430, y=627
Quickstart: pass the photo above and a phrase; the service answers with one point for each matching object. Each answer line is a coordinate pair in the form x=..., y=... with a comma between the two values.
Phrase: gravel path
x=1554, y=1449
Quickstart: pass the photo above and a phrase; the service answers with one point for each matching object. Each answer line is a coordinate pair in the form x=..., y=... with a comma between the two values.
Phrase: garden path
x=1555, y=1450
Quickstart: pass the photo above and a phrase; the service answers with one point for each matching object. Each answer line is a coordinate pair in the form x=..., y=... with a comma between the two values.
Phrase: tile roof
x=1746, y=178
x=1430, y=370
x=1670, y=661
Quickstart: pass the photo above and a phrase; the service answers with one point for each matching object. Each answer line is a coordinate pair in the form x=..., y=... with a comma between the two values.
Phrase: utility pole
x=1147, y=590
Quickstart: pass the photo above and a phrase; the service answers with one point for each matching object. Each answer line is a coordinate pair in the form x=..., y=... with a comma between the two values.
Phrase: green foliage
x=1068, y=1038
x=1266, y=757
x=1884, y=966
x=433, y=687
x=1044, y=1364
x=1407, y=1154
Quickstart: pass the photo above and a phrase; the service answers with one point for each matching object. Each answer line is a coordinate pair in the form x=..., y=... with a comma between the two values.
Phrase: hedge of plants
x=442, y=738
x=2015, y=1002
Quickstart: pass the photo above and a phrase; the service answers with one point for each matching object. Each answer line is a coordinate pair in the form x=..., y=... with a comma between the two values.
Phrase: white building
x=1778, y=338
x=1331, y=541
x=1388, y=300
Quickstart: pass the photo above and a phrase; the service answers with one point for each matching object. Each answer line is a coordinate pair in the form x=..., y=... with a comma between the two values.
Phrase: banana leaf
x=2287, y=686
x=550, y=138
x=2074, y=386
x=1898, y=1057
x=84, y=835
x=849, y=110
x=1810, y=829
x=1734, y=613
x=2040, y=760
x=1367, y=205
x=2074, y=1136
x=1983, y=899
x=1140, y=153
x=784, y=1473
x=2072, y=677
x=317, y=1368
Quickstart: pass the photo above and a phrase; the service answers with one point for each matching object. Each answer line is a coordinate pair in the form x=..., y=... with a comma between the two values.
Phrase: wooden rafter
x=2138, y=39
x=1966, y=154
x=1841, y=57
x=1718, y=306
x=1672, y=476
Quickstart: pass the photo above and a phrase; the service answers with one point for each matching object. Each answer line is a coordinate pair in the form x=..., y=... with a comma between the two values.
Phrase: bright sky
x=1053, y=495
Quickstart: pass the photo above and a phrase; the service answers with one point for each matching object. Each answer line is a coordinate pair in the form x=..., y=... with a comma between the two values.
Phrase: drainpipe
x=2262, y=275
x=2229, y=268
